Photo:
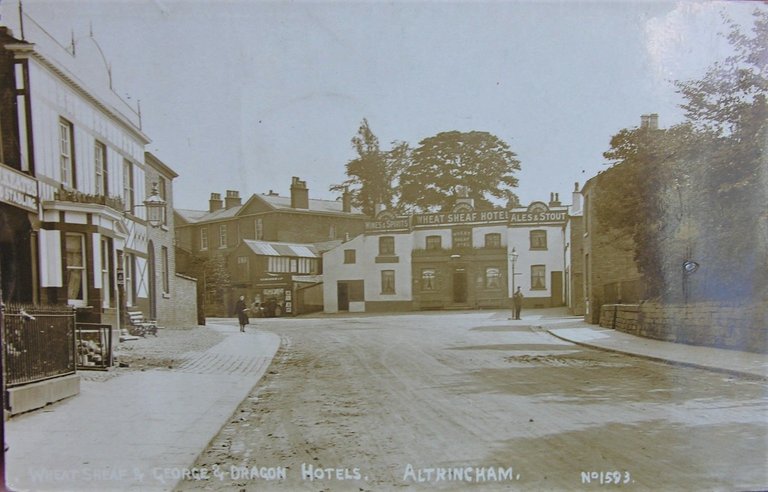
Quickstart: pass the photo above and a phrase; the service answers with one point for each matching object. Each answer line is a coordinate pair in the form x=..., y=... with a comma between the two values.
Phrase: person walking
x=242, y=314
x=517, y=302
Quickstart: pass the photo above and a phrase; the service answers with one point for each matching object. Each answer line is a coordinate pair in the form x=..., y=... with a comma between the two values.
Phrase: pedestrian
x=242, y=313
x=517, y=302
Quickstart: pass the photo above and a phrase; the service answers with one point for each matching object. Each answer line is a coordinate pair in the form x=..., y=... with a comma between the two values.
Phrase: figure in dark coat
x=242, y=313
x=517, y=302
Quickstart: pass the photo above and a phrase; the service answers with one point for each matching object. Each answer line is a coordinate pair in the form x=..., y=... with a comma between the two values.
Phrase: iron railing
x=38, y=343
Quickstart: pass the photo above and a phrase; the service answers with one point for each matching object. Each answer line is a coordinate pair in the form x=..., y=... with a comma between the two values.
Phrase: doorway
x=460, y=286
x=343, y=296
x=557, y=288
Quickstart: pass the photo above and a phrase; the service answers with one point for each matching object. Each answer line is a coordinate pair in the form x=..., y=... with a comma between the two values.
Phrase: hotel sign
x=537, y=217
x=483, y=216
x=18, y=189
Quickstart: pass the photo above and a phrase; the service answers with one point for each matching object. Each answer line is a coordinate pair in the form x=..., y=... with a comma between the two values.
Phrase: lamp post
x=513, y=259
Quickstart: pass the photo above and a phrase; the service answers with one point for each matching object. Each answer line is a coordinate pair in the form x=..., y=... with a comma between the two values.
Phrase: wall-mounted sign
x=18, y=189
x=387, y=225
x=482, y=216
x=537, y=217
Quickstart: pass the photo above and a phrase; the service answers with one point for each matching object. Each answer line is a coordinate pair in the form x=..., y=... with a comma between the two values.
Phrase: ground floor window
x=492, y=278
x=76, y=268
x=428, y=279
x=538, y=277
x=387, y=281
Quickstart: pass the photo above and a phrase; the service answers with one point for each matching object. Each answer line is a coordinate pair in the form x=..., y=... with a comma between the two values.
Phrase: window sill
x=166, y=295
x=538, y=249
x=388, y=294
x=539, y=288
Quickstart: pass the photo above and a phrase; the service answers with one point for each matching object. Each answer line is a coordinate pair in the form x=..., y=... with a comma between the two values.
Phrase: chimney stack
x=645, y=121
x=233, y=199
x=299, y=194
x=576, y=200
x=346, y=200
x=653, y=121
x=215, y=203
x=554, y=200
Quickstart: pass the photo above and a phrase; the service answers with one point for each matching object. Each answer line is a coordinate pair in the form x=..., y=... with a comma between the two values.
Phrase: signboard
x=18, y=189
x=548, y=216
x=387, y=225
x=474, y=217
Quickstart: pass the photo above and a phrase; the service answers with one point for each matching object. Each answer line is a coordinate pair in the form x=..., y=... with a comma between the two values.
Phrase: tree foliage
x=444, y=164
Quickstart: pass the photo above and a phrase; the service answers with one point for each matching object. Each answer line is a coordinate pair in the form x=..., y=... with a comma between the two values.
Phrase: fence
x=39, y=343
x=94, y=346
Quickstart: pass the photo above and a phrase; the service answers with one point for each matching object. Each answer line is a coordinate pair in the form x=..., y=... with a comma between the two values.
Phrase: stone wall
x=712, y=324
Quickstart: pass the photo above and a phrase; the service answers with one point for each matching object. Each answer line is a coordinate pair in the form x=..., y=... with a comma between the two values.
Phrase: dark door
x=343, y=296
x=460, y=287
x=557, y=288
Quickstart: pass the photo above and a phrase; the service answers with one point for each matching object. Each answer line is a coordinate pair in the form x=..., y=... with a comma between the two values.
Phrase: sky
x=243, y=95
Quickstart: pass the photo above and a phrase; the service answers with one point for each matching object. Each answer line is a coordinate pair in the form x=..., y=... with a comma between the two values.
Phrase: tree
x=373, y=173
x=448, y=162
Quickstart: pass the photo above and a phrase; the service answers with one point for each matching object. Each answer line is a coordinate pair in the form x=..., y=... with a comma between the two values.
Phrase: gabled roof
x=270, y=248
x=284, y=203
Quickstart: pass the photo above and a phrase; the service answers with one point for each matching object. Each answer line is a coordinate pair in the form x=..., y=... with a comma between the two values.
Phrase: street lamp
x=513, y=259
x=155, y=206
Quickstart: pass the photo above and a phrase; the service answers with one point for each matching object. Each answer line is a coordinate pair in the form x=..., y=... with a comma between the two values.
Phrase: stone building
x=463, y=259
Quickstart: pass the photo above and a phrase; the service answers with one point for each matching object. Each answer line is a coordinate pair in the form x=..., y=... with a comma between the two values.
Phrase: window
x=538, y=277
x=332, y=231
x=386, y=245
x=243, y=272
x=66, y=153
x=259, y=227
x=307, y=265
x=100, y=161
x=462, y=238
x=163, y=192
x=76, y=274
x=203, y=239
x=493, y=240
x=166, y=272
x=222, y=235
x=434, y=242
x=350, y=256
x=538, y=239
x=492, y=278
x=128, y=185
x=387, y=281
x=129, y=287
x=428, y=279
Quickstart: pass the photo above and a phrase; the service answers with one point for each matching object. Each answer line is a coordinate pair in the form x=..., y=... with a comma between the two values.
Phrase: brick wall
x=712, y=324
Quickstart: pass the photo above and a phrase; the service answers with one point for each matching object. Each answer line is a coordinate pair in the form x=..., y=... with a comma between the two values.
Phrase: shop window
x=100, y=161
x=166, y=270
x=462, y=238
x=538, y=277
x=492, y=278
x=493, y=240
x=434, y=242
x=66, y=153
x=386, y=245
x=222, y=235
x=350, y=256
x=76, y=272
x=538, y=239
x=428, y=279
x=128, y=185
x=203, y=238
x=387, y=281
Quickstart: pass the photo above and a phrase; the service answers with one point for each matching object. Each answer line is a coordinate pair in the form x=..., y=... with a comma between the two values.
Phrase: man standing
x=242, y=314
x=517, y=302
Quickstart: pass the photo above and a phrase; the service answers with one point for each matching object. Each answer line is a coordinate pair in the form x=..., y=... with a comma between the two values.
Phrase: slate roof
x=271, y=248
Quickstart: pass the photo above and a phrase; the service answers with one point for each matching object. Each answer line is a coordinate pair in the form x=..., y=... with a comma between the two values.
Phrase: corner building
x=462, y=259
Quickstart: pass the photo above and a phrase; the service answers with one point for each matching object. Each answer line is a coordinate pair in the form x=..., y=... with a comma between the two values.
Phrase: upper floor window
x=538, y=277
x=434, y=242
x=243, y=271
x=493, y=240
x=462, y=238
x=66, y=153
x=332, y=231
x=203, y=238
x=162, y=191
x=166, y=270
x=386, y=245
x=259, y=227
x=350, y=256
x=538, y=239
x=128, y=185
x=222, y=235
x=100, y=162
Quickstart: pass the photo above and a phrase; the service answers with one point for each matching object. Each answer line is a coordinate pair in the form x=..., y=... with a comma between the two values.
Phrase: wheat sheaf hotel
x=461, y=259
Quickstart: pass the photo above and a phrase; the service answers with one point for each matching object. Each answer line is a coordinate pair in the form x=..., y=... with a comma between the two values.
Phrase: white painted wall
x=552, y=257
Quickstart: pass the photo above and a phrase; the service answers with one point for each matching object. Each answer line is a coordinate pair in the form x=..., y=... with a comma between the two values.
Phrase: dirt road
x=472, y=400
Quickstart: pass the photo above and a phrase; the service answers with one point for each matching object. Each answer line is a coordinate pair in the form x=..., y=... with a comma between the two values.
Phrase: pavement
x=742, y=364
x=143, y=430
x=139, y=430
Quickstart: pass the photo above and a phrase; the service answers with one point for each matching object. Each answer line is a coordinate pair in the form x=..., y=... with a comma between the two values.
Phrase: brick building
x=215, y=234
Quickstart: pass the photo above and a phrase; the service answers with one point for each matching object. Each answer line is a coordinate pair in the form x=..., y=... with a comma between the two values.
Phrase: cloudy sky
x=245, y=94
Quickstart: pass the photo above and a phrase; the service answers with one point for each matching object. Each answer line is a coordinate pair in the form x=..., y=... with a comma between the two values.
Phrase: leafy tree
x=449, y=162
x=373, y=173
